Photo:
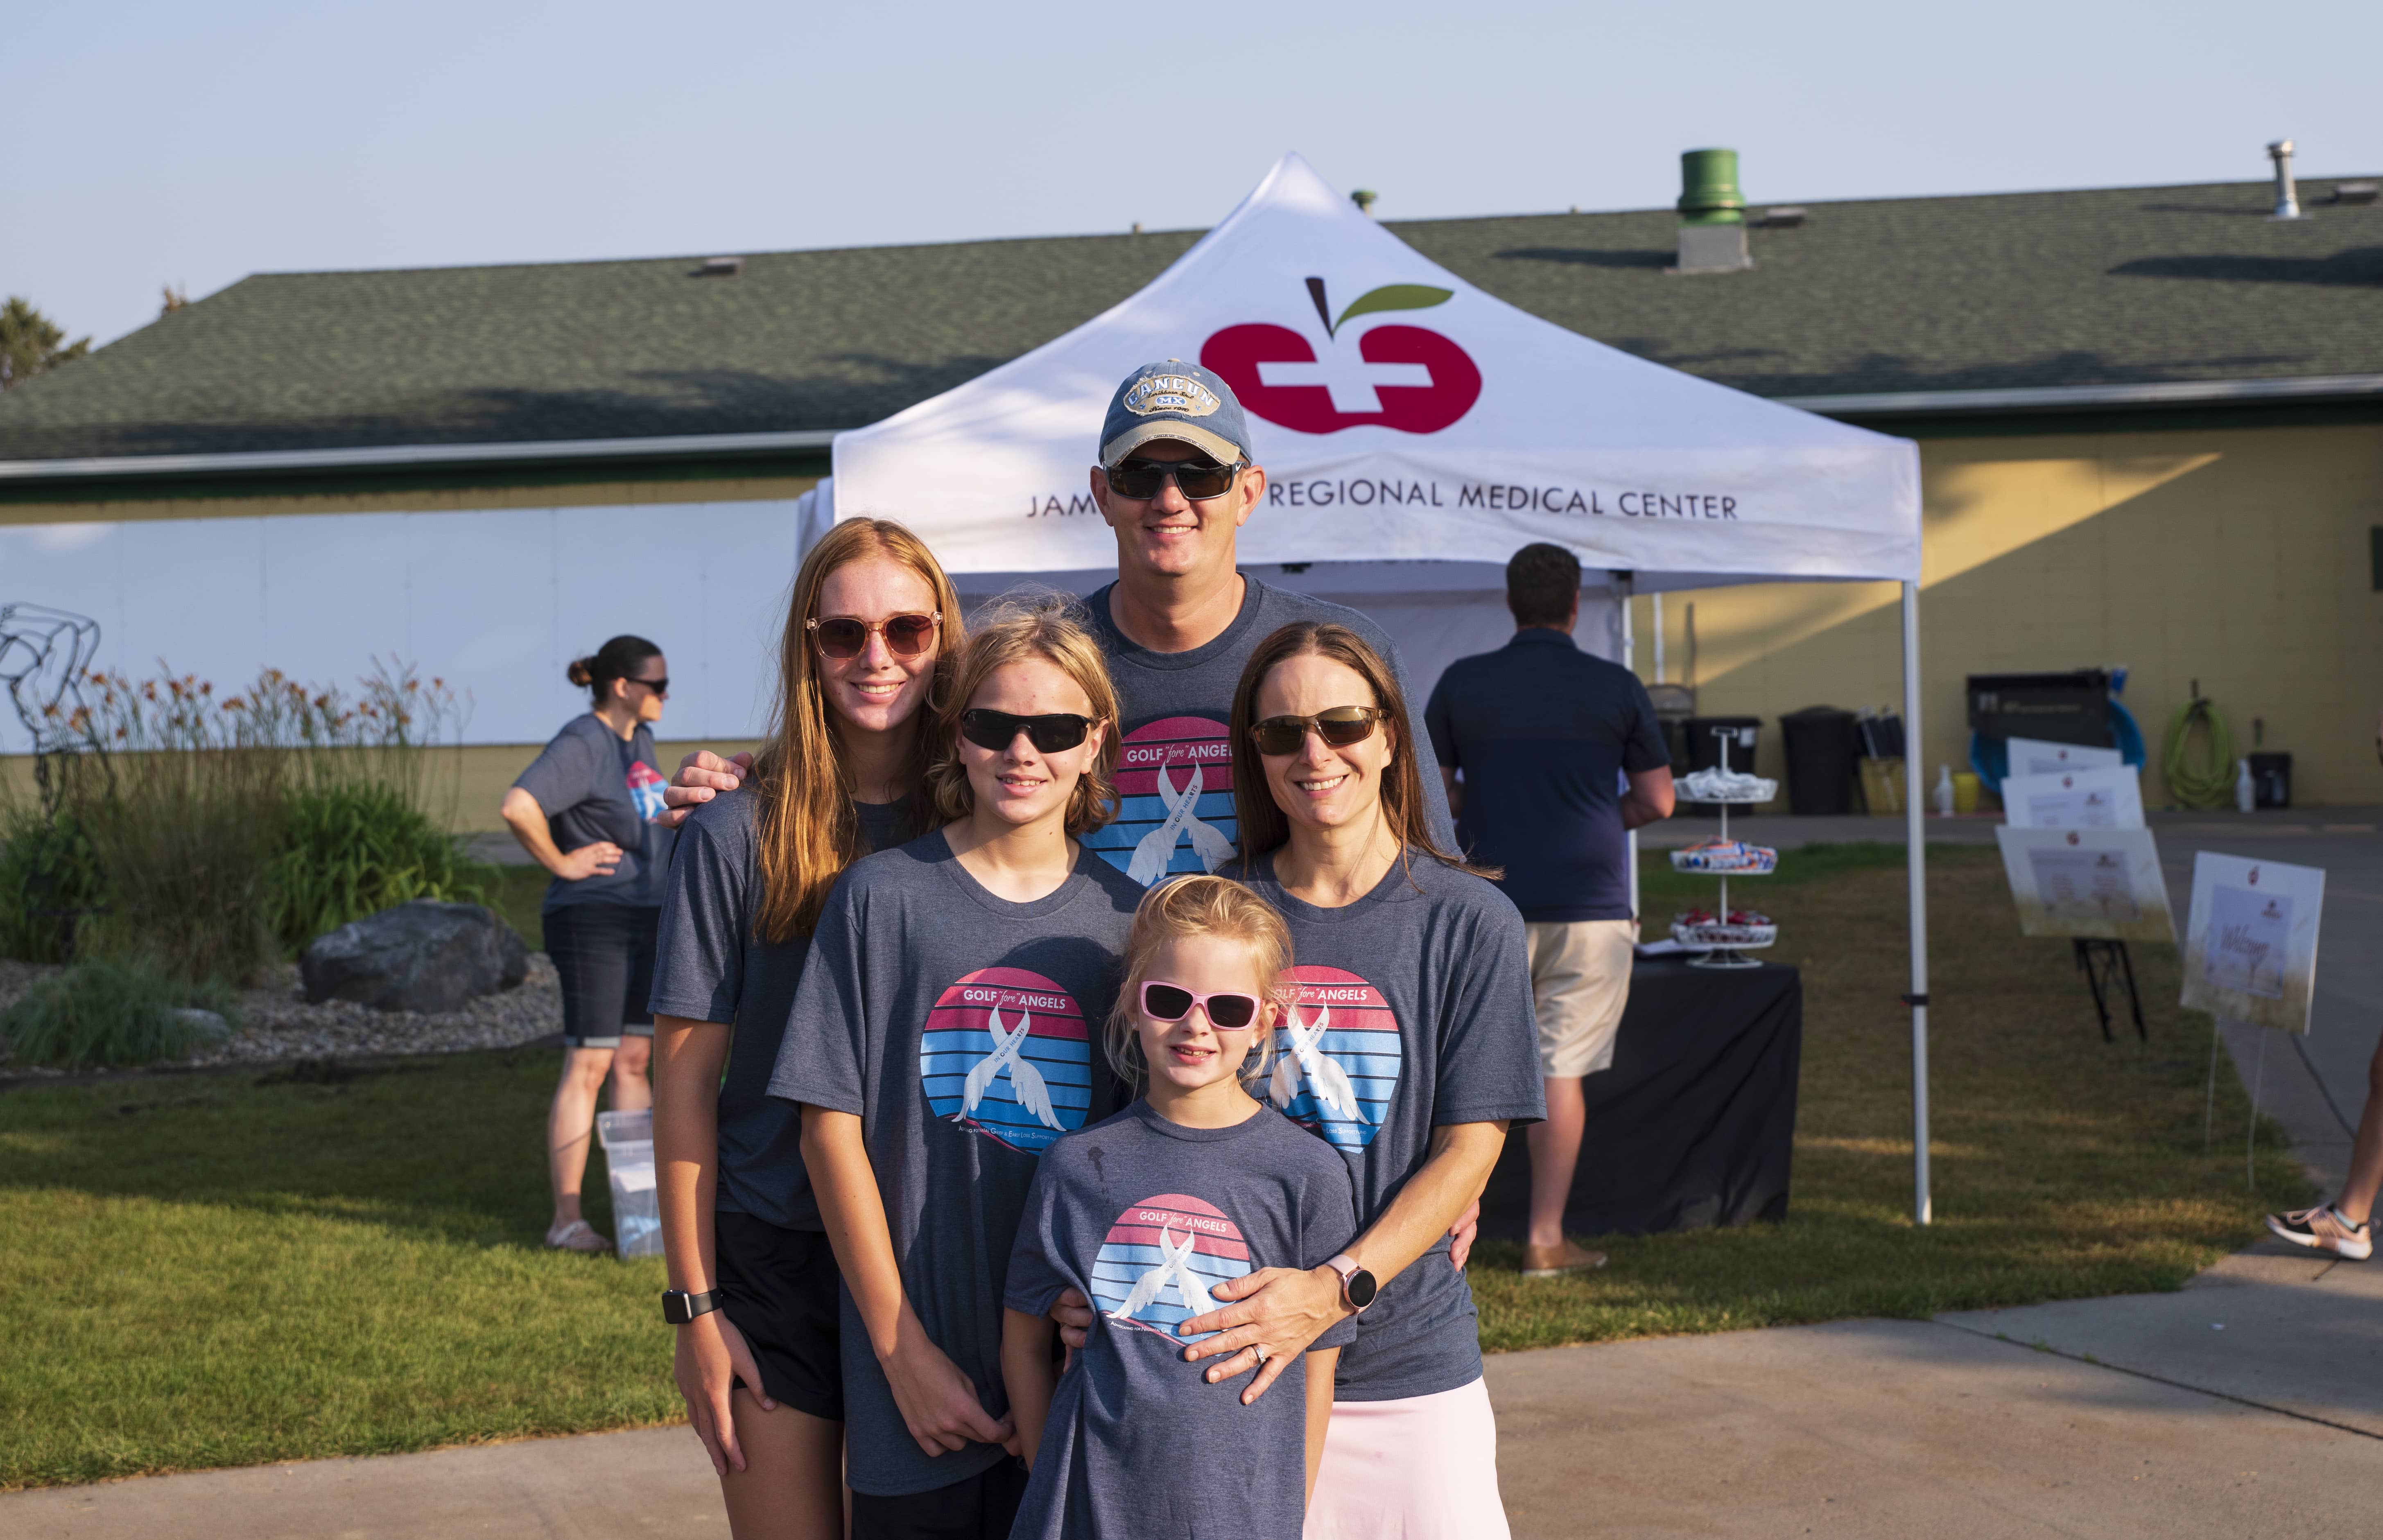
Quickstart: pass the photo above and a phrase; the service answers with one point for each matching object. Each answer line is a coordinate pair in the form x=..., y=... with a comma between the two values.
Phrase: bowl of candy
x=1739, y=928
x=1726, y=858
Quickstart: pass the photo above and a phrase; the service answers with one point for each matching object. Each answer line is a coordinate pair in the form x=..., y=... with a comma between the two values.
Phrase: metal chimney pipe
x=2288, y=201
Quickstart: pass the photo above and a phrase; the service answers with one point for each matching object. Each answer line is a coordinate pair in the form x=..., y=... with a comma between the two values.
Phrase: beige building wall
x=2237, y=557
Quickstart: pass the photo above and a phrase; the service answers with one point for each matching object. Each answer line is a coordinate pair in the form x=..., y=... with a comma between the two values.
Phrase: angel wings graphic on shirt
x=1174, y=1268
x=1156, y=848
x=1307, y=1059
x=1009, y=1056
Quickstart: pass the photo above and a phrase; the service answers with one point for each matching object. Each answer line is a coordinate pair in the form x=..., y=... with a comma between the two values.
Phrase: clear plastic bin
x=628, y=1140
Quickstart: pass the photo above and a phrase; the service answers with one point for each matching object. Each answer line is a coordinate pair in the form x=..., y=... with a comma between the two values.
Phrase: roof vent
x=1713, y=213
x=721, y=268
x=1788, y=218
x=2354, y=192
x=2287, y=202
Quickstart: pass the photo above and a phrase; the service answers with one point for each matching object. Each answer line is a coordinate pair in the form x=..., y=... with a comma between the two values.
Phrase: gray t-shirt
x=1175, y=774
x=963, y=1030
x=1413, y=1011
x=1144, y=1216
x=708, y=965
x=592, y=784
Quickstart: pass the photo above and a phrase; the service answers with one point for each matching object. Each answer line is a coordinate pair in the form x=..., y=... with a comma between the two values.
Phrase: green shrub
x=106, y=1013
x=49, y=883
x=352, y=850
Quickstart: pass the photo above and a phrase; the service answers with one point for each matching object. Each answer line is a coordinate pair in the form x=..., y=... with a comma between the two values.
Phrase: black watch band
x=679, y=1307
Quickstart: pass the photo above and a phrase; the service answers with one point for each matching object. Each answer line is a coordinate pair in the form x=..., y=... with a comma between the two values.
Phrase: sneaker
x=1554, y=1261
x=2321, y=1229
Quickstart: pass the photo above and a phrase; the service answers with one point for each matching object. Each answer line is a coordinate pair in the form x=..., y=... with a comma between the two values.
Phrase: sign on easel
x=2034, y=756
x=2250, y=946
x=2096, y=884
x=2109, y=797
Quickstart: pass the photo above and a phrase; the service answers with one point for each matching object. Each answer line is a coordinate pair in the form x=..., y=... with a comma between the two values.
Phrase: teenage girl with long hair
x=873, y=628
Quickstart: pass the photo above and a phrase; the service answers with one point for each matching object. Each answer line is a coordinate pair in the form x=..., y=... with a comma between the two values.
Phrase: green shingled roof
x=2123, y=285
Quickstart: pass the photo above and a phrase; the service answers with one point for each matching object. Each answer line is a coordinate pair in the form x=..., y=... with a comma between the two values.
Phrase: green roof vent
x=1713, y=213
x=1709, y=193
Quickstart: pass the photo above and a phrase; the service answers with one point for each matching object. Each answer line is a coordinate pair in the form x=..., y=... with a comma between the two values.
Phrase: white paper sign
x=2034, y=756
x=2102, y=883
x=2249, y=948
x=2109, y=797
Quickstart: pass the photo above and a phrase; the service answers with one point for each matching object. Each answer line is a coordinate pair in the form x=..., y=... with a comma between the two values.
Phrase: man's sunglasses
x=844, y=638
x=1340, y=726
x=1140, y=479
x=1053, y=733
x=659, y=686
x=1228, y=1011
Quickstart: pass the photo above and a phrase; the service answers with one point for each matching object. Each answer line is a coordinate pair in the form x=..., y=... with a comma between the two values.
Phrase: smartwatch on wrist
x=679, y=1307
x=1357, y=1286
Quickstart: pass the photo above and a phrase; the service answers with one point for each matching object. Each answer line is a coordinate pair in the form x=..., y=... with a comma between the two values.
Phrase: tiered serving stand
x=1724, y=944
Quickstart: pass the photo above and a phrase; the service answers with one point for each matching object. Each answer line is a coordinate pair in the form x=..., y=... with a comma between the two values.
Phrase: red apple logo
x=1403, y=377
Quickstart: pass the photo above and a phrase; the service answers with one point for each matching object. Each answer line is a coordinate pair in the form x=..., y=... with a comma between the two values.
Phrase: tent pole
x=1922, y=1208
x=1630, y=661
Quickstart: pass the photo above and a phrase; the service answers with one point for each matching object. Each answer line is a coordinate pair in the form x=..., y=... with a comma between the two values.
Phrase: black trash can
x=1822, y=743
x=1704, y=751
x=2271, y=779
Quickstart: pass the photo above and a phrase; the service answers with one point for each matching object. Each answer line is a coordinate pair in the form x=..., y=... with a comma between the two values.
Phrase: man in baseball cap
x=1176, y=480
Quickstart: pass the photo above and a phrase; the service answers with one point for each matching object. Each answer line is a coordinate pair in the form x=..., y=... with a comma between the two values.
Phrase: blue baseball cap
x=1176, y=401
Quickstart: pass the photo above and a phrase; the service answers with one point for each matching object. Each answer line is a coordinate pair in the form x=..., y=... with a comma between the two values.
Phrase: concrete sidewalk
x=2124, y=1417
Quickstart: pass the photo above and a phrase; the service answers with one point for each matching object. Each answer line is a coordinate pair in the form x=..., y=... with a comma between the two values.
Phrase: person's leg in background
x=570, y=1122
x=2343, y=1227
x=1580, y=981
x=631, y=1091
x=592, y=949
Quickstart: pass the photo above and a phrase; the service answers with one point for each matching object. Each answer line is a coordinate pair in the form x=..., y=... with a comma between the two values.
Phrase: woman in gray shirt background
x=586, y=808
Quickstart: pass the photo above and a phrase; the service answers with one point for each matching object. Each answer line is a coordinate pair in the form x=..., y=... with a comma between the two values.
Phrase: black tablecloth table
x=1695, y=1124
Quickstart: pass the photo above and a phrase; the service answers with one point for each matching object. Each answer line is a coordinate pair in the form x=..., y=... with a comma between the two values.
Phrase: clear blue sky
x=149, y=143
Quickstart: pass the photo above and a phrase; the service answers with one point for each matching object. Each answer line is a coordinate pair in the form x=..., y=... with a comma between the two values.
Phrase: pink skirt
x=1421, y=1469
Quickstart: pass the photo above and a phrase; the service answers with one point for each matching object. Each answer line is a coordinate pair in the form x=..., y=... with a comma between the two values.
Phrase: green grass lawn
x=225, y=1270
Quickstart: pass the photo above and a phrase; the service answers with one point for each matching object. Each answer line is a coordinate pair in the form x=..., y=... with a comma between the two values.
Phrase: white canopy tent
x=1414, y=432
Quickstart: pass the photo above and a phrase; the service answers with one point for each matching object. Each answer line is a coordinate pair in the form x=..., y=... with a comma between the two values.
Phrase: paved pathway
x=2134, y=1416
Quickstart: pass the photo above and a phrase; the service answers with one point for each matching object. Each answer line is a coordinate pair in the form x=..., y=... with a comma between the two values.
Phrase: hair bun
x=582, y=672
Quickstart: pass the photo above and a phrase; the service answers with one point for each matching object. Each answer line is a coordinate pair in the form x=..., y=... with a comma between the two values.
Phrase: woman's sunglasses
x=844, y=638
x=1228, y=1011
x=1340, y=726
x=1053, y=733
x=1140, y=479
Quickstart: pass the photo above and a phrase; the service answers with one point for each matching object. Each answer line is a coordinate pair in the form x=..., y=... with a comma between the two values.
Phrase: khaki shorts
x=1580, y=981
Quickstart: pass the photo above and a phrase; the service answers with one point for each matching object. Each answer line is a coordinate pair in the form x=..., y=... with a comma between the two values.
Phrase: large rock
x=419, y=957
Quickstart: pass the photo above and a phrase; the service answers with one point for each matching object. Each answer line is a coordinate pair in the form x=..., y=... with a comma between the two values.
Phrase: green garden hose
x=2206, y=780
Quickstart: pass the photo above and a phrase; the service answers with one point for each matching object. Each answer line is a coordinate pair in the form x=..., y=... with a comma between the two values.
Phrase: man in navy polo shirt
x=1545, y=735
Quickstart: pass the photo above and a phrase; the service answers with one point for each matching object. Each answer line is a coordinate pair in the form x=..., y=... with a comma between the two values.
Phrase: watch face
x=1361, y=1288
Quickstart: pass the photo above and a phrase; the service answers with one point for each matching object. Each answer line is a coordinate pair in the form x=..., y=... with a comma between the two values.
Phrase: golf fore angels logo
x=1395, y=375
x=1006, y=1054
x=1155, y=1268
x=1175, y=801
x=1339, y=1056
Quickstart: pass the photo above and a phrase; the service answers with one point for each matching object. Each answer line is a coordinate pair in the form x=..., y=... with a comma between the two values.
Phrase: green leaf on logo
x=1395, y=296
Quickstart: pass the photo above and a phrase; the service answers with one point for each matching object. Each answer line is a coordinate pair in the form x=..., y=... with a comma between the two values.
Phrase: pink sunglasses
x=1228, y=1011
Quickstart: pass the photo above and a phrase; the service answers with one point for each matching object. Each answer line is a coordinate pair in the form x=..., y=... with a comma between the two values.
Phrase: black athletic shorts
x=981, y=1507
x=604, y=958
x=778, y=1288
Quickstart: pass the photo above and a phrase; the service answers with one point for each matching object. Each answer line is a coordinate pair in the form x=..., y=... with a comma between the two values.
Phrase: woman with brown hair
x=873, y=628
x=940, y=1043
x=1410, y=1045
